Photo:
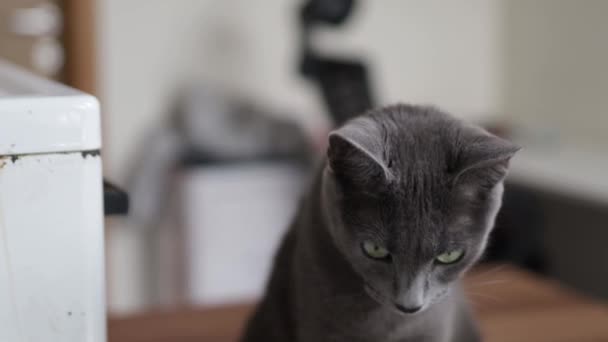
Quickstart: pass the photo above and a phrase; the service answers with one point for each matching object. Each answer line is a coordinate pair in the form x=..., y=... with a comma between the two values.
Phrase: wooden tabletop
x=511, y=305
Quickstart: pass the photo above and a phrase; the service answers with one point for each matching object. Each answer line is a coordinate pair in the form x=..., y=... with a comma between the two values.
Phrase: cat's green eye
x=450, y=257
x=374, y=250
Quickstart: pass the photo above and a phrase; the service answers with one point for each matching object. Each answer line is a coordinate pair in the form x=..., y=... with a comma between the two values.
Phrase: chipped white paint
x=51, y=217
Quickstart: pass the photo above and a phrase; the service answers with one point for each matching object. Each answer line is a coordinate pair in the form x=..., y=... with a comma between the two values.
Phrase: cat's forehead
x=428, y=200
x=420, y=140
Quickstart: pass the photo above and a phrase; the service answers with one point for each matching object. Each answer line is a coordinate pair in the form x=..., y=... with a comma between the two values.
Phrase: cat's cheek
x=439, y=295
x=360, y=263
x=449, y=274
x=375, y=274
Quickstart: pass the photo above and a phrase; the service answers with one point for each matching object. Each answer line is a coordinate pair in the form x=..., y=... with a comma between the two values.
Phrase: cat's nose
x=408, y=310
x=410, y=298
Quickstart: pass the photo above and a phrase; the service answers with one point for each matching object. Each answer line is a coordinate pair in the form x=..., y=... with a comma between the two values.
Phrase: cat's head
x=411, y=195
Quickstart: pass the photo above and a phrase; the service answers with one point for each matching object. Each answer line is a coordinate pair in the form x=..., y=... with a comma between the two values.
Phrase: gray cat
x=402, y=208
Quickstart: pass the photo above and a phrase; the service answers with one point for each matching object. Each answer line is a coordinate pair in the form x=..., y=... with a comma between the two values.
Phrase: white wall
x=556, y=68
x=443, y=52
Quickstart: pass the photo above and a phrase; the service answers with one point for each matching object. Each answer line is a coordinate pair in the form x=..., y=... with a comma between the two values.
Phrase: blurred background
x=215, y=115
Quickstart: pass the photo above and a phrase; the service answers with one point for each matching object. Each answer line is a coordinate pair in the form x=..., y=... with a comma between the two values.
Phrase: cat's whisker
x=488, y=283
x=483, y=295
x=487, y=273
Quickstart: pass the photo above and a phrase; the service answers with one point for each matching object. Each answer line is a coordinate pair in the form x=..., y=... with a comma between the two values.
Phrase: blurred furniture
x=569, y=183
x=224, y=208
x=213, y=190
x=80, y=42
x=51, y=212
x=518, y=233
x=577, y=172
x=52, y=38
x=511, y=304
x=31, y=35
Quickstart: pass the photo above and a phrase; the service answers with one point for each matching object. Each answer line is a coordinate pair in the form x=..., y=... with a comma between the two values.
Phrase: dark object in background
x=344, y=82
x=115, y=200
x=344, y=85
x=332, y=12
x=517, y=235
x=519, y=228
x=222, y=128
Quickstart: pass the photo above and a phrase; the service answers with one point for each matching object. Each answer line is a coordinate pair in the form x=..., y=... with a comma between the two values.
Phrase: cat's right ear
x=357, y=153
x=485, y=161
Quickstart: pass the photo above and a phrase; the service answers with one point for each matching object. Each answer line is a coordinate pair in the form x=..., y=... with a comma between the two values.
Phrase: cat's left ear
x=485, y=160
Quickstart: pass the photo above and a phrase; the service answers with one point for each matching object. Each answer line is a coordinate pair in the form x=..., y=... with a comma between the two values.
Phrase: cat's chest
x=348, y=322
x=389, y=327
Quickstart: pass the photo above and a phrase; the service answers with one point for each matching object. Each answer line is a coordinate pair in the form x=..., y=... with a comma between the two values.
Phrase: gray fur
x=413, y=180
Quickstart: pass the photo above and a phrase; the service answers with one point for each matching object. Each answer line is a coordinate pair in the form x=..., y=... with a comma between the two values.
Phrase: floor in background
x=512, y=305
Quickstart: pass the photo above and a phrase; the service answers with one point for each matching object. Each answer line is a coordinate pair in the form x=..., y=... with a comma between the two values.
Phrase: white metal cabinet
x=51, y=212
